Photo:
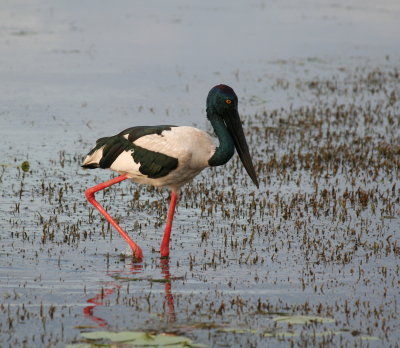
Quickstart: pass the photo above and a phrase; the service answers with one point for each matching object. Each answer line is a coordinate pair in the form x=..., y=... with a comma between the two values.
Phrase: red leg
x=167, y=232
x=137, y=252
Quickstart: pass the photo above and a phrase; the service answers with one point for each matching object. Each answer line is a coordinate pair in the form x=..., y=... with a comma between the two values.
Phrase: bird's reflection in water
x=168, y=294
x=98, y=301
x=123, y=276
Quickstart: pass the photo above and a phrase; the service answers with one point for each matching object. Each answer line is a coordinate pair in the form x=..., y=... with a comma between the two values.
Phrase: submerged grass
x=310, y=259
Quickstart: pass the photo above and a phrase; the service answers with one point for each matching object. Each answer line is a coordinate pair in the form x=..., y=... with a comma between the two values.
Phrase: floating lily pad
x=116, y=336
x=369, y=338
x=134, y=339
x=274, y=334
x=302, y=319
x=25, y=166
x=237, y=330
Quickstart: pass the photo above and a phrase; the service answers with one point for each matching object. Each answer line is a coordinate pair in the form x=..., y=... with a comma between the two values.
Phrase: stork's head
x=222, y=103
x=221, y=99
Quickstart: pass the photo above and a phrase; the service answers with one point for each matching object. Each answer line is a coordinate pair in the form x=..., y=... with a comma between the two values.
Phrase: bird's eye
x=228, y=101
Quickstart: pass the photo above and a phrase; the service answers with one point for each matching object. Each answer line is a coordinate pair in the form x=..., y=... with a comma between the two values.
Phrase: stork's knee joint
x=89, y=193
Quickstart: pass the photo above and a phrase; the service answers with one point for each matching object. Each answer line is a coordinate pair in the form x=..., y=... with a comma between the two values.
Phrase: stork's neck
x=224, y=152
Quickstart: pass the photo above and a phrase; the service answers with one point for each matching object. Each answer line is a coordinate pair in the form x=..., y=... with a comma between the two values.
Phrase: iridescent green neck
x=224, y=152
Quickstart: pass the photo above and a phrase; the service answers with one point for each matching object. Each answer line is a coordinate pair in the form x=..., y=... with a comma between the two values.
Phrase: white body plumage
x=192, y=148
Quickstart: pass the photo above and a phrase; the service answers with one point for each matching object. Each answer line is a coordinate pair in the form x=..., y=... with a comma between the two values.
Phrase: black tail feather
x=90, y=166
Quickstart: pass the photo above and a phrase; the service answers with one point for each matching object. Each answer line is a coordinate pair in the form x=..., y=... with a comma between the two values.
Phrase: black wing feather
x=113, y=149
x=152, y=164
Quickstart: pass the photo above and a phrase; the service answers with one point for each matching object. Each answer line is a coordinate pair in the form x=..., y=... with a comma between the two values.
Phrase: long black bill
x=234, y=126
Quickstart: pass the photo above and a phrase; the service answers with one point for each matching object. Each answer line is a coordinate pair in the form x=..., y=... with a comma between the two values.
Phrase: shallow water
x=318, y=87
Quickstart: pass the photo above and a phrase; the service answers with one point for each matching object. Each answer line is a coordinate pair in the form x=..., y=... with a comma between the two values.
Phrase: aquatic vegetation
x=25, y=166
x=133, y=339
x=308, y=259
x=301, y=319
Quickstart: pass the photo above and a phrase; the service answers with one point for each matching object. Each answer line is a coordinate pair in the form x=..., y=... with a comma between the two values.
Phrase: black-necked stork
x=170, y=155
